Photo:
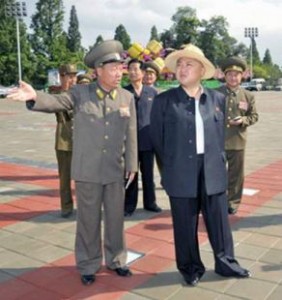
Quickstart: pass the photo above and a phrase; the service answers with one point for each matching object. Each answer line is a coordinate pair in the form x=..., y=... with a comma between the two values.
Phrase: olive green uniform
x=63, y=147
x=238, y=103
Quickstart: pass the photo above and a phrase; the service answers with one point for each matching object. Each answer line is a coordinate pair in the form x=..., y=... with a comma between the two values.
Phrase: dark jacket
x=143, y=110
x=173, y=134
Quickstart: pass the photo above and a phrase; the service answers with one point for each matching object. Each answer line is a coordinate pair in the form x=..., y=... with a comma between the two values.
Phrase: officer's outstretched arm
x=22, y=93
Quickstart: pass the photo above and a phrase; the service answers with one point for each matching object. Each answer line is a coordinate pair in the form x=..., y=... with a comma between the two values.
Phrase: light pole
x=17, y=10
x=251, y=32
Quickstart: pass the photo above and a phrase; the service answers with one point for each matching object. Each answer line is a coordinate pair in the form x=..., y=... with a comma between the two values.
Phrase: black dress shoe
x=194, y=281
x=244, y=274
x=124, y=272
x=87, y=279
x=232, y=210
x=154, y=208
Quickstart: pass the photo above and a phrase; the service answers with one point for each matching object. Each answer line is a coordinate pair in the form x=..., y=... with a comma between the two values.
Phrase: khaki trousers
x=235, y=162
x=64, y=169
x=91, y=198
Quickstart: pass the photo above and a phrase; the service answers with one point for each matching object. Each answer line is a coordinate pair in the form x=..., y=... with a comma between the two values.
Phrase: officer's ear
x=98, y=71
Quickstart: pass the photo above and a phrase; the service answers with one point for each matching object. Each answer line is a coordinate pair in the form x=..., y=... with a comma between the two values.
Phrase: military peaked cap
x=103, y=53
x=67, y=69
x=233, y=63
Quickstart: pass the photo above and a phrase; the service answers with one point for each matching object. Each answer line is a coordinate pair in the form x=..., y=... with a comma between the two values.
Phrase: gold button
x=228, y=117
x=104, y=150
x=108, y=109
x=230, y=109
x=227, y=125
x=107, y=123
x=106, y=137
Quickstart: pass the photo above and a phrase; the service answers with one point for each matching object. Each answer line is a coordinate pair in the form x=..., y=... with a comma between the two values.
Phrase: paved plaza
x=37, y=245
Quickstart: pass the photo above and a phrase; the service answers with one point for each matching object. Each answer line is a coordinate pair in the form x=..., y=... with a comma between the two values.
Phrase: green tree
x=215, y=40
x=185, y=27
x=9, y=51
x=186, y=31
x=74, y=36
x=184, y=12
x=267, y=60
x=49, y=41
x=240, y=50
x=154, y=34
x=122, y=36
x=255, y=53
x=167, y=39
x=99, y=39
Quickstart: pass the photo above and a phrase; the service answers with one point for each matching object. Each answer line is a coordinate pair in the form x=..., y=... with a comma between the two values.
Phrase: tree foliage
x=267, y=60
x=49, y=41
x=99, y=39
x=48, y=45
x=9, y=50
x=122, y=36
x=154, y=34
x=74, y=36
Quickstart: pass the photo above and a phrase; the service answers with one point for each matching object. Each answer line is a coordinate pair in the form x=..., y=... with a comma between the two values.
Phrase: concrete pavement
x=36, y=244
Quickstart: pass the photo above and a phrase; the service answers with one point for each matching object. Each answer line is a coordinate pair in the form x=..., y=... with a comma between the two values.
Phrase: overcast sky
x=138, y=16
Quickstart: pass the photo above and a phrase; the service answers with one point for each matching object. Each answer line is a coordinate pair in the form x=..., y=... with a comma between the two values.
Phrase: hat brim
x=171, y=61
x=151, y=70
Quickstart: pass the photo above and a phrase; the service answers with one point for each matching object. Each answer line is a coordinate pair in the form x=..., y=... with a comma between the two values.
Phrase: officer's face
x=67, y=81
x=149, y=78
x=189, y=72
x=110, y=75
x=233, y=79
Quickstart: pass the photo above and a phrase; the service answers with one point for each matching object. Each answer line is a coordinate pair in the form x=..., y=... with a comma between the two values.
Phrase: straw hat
x=190, y=51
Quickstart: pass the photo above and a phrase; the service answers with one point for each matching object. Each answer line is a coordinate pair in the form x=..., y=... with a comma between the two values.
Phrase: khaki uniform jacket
x=239, y=103
x=63, y=137
x=104, y=134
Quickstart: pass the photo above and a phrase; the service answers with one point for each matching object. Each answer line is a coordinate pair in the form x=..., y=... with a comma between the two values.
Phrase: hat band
x=109, y=58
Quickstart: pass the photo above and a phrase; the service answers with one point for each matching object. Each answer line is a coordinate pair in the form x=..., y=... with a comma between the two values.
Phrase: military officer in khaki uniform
x=63, y=141
x=104, y=152
x=240, y=113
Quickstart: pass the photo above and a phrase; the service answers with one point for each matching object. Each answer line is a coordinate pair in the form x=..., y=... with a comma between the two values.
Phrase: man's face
x=110, y=75
x=67, y=81
x=233, y=79
x=189, y=71
x=150, y=78
x=135, y=73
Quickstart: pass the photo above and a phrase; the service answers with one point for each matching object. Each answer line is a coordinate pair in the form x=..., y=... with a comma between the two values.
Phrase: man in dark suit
x=144, y=97
x=241, y=113
x=104, y=151
x=187, y=129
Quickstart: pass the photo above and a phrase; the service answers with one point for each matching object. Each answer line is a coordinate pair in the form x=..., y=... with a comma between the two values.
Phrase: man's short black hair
x=134, y=61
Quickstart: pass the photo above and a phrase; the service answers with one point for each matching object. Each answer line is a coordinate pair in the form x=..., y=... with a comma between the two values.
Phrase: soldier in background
x=63, y=142
x=151, y=74
x=240, y=113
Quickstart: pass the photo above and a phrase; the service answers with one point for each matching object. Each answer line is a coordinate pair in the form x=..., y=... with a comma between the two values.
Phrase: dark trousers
x=64, y=169
x=185, y=216
x=146, y=166
x=235, y=161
